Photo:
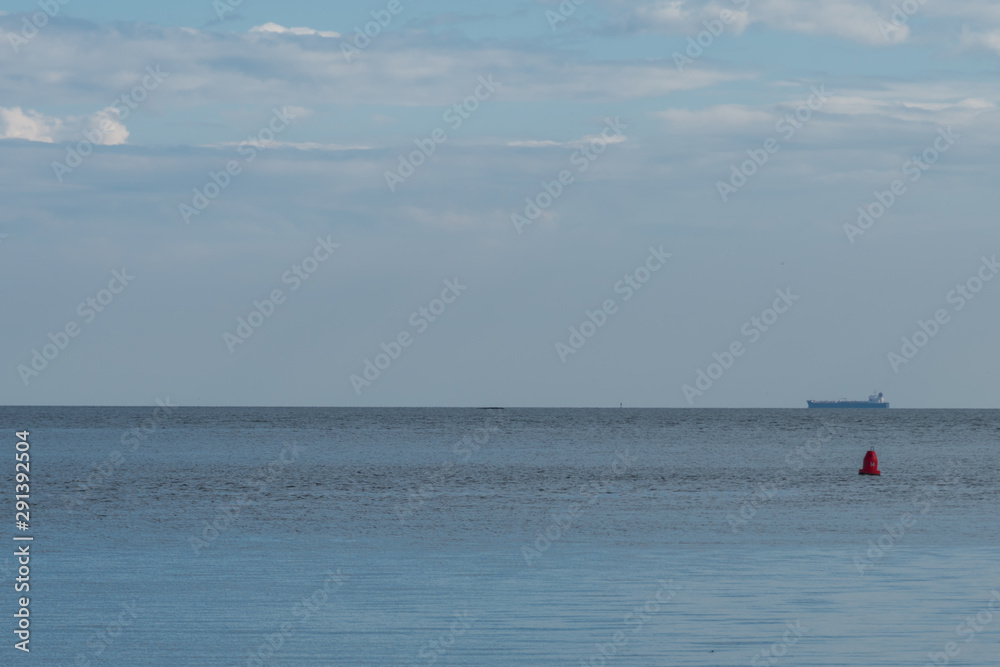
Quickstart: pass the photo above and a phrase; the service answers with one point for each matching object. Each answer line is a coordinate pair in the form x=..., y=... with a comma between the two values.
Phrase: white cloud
x=724, y=118
x=405, y=70
x=105, y=126
x=109, y=123
x=862, y=119
x=687, y=17
x=914, y=110
x=666, y=14
x=856, y=20
x=31, y=125
x=447, y=220
x=280, y=29
x=535, y=143
x=297, y=112
x=296, y=145
x=988, y=40
x=573, y=143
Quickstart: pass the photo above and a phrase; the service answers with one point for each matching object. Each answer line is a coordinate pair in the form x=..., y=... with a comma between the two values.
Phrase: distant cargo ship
x=874, y=401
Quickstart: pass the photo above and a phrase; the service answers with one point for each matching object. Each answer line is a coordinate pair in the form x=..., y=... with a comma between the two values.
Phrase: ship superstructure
x=876, y=400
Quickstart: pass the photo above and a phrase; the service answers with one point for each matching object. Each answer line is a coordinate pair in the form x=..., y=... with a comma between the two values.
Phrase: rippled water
x=498, y=537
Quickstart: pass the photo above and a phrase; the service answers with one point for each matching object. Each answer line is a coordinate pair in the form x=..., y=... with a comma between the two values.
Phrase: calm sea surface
x=506, y=537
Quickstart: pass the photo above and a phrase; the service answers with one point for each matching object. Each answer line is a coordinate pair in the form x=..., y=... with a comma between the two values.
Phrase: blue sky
x=746, y=159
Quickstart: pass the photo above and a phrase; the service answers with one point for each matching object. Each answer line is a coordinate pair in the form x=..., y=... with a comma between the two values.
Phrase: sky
x=666, y=203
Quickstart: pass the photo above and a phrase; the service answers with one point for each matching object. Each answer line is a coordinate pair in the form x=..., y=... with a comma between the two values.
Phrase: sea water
x=272, y=536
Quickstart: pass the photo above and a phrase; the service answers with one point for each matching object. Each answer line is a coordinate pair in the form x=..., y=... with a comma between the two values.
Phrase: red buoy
x=870, y=466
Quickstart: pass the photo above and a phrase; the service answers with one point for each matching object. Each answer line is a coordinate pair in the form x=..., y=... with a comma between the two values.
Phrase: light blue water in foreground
x=413, y=544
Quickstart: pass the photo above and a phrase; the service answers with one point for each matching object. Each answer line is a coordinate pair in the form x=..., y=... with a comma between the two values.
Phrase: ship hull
x=867, y=405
